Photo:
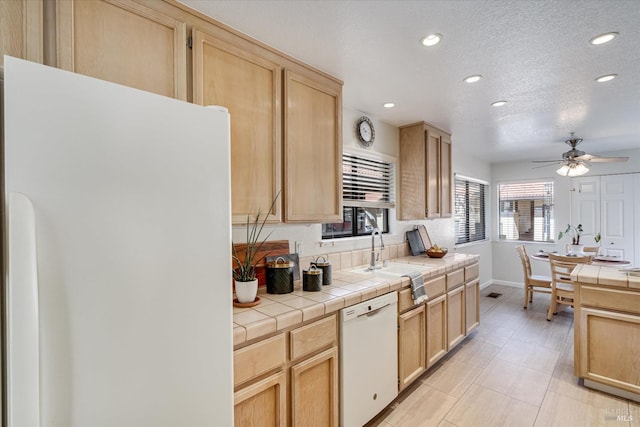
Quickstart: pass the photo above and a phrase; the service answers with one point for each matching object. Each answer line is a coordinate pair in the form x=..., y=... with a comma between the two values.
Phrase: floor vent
x=494, y=295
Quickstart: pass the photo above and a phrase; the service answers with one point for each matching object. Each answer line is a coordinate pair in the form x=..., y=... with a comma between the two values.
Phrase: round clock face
x=364, y=130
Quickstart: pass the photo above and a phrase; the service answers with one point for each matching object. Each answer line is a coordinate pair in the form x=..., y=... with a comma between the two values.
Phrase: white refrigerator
x=117, y=279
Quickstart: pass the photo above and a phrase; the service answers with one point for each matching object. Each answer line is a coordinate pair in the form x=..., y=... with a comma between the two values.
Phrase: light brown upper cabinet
x=123, y=42
x=425, y=172
x=21, y=29
x=250, y=86
x=312, y=148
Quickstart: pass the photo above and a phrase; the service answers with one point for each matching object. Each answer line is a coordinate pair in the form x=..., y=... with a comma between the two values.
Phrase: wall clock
x=365, y=131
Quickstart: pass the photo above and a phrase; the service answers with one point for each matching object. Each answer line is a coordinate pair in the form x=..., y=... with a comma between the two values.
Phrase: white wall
x=473, y=168
x=506, y=264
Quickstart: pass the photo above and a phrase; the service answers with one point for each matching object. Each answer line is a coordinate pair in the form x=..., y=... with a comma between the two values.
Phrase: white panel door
x=617, y=197
x=585, y=207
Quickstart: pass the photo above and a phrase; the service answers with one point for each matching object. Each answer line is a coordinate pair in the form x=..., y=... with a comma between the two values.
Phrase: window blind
x=470, y=209
x=367, y=182
x=525, y=211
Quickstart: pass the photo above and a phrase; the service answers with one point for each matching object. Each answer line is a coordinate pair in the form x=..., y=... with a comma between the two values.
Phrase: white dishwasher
x=368, y=359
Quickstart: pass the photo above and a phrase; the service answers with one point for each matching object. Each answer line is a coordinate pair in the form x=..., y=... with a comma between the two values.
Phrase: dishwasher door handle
x=374, y=312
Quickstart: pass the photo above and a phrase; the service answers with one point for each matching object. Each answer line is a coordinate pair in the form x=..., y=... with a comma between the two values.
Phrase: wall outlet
x=299, y=247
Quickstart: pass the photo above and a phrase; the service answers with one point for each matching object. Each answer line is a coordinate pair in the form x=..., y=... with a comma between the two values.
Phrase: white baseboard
x=502, y=282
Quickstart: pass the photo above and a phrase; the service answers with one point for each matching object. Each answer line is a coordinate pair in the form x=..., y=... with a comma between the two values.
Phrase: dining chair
x=561, y=284
x=591, y=250
x=532, y=282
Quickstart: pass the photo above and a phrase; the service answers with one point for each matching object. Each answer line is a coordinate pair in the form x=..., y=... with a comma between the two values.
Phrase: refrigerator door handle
x=23, y=352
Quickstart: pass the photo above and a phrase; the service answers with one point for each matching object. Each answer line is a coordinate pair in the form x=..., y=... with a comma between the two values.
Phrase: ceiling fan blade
x=547, y=161
x=555, y=163
x=597, y=159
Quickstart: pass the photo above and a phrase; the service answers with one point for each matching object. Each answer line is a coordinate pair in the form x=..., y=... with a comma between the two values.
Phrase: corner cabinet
x=290, y=378
x=123, y=42
x=249, y=85
x=312, y=148
x=425, y=172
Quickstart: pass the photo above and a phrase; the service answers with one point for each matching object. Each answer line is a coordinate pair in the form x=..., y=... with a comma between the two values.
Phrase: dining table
x=602, y=260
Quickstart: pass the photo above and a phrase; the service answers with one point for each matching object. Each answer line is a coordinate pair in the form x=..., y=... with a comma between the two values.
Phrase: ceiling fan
x=576, y=162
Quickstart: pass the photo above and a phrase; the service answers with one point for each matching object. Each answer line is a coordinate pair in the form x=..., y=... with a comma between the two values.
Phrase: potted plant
x=244, y=267
x=575, y=233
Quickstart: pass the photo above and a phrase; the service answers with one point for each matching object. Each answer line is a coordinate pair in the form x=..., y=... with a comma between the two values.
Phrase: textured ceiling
x=532, y=53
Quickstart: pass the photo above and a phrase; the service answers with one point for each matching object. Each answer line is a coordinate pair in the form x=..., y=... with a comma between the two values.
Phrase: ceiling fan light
x=563, y=171
x=579, y=169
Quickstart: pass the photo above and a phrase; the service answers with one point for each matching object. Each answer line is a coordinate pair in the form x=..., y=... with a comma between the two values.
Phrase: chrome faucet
x=376, y=230
x=374, y=257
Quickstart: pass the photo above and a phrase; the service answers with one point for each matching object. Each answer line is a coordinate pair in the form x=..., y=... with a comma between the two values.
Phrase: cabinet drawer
x=613, y=299
x=471, y=272
x=311, y=338
x=405, y=301
x=455, y=279
x=258, y=358
x=433, y=288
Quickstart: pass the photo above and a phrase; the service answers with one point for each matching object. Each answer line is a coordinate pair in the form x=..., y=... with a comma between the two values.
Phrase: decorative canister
x=325, y=266
x=312, y=279
x=280, y=276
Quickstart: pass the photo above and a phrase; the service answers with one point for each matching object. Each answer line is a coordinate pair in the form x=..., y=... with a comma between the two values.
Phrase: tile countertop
x=280, y=312
x=605, y=276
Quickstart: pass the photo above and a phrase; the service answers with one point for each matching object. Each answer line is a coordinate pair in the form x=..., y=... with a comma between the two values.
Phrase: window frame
x=550, y=208
x=484, y=197
x=355, y=188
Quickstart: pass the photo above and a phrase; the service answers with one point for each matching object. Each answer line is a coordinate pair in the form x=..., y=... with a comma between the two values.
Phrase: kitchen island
x=607, y=329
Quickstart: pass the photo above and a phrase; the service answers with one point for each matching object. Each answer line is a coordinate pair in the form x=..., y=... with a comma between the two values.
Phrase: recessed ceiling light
x=603, y=38
x=389, y=104
x=431, y=39
x=498, y=103
x=472, y=79
x=606, y=78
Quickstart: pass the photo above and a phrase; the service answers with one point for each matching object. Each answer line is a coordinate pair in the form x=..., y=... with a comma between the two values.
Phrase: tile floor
x=515, y=370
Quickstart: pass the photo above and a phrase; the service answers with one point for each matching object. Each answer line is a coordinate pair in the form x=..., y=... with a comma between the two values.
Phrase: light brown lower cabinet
x=290, y=379
x=314, y=391
x=472, y=296
x=456, y=326
x=608, y=348
x=411, y=345
x=263, y=403
x=436, y=329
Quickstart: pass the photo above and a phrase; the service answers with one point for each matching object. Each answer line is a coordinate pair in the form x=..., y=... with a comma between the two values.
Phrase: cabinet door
x=249, y=86
x=436, y=329
x=445, y=177
x=263, y=403
x=314, y=391
x=123, y=42
x=472, y=296
x=433, y=174
x=608, y=348
x=312, y=149
x=411, y=346
x=412, y=148
x=21, y=30
x=456, y=326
